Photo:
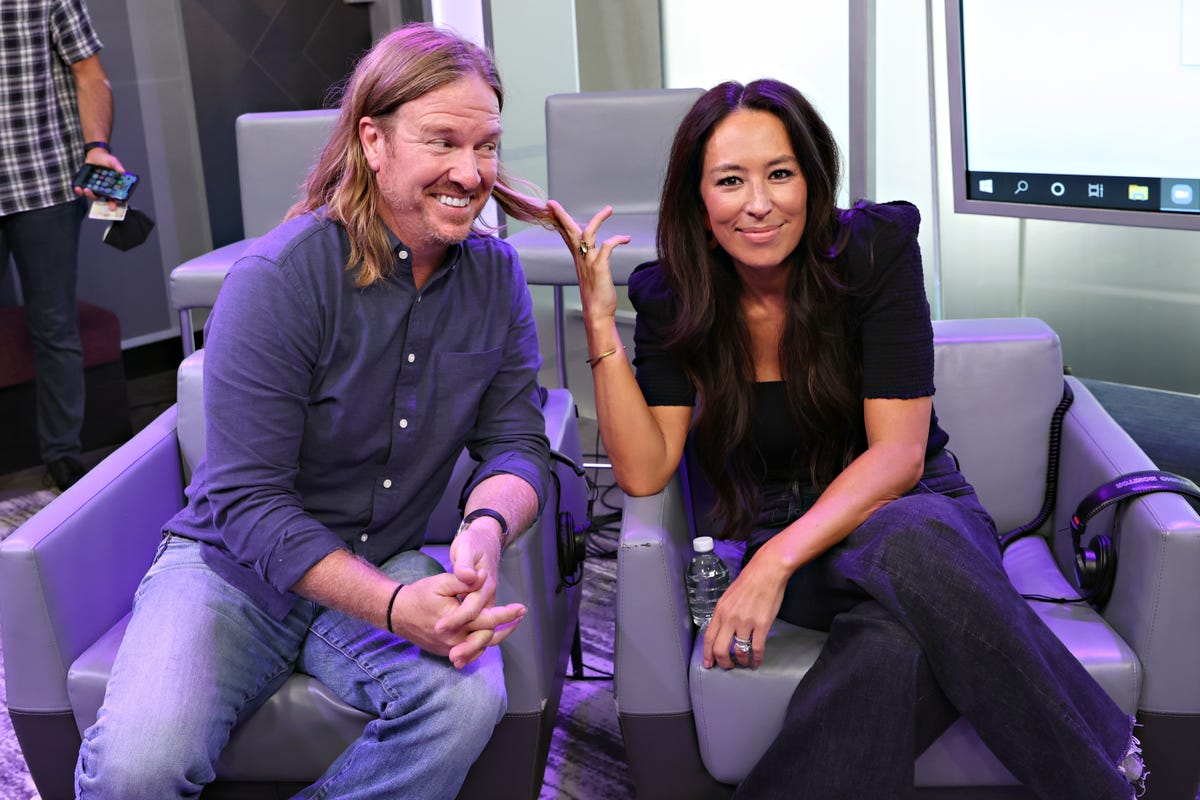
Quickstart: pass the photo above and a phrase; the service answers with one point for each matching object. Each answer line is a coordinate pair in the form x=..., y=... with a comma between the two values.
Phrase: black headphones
x=571, y=541
x=1096, y=563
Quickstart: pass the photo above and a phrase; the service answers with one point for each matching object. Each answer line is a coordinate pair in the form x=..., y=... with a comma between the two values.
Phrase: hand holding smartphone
x=105, y=182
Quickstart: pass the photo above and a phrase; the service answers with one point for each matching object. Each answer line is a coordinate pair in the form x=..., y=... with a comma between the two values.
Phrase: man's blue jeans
x=924, y=625
x=198, y=657
x=45, y=246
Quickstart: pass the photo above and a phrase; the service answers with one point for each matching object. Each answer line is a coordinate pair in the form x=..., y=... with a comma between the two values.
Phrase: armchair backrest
x=276, y=150
x=997, y=383
x=611, y=148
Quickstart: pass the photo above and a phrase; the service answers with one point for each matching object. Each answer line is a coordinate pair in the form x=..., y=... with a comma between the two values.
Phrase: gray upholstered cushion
x=265, y=746
x=758, y=699
x=547, y=261
x=997, y=383
x=276, y=150
x=196, y=282
x=589, y=167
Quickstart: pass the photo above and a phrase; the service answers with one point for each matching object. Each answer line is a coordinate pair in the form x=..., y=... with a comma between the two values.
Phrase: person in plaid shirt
x=55, y=113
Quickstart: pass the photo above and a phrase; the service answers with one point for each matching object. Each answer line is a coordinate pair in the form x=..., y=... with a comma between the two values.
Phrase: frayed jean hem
x=1131, y=764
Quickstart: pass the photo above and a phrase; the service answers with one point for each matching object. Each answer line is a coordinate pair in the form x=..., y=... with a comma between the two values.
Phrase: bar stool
x=275, y=151
x=602, y=148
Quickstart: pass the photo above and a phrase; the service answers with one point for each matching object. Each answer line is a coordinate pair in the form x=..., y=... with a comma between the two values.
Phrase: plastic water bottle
x=707, y=579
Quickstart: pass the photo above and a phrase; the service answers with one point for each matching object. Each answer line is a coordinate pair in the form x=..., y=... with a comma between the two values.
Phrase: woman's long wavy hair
x=818, y=349
x=404, y=65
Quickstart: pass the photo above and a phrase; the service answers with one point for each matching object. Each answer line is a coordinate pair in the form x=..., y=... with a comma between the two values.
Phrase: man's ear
x=371, y=137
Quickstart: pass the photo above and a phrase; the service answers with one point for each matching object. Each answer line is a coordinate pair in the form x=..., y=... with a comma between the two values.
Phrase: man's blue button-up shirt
x=334, y=414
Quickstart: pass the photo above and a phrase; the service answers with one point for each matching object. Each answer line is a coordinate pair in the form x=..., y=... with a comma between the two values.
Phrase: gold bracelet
x=594, y=360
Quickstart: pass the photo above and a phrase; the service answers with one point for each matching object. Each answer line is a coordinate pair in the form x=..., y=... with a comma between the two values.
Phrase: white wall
x=535, y=49
x=802, y=42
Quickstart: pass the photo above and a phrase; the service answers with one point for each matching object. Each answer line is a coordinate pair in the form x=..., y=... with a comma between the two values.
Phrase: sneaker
x=63, y=473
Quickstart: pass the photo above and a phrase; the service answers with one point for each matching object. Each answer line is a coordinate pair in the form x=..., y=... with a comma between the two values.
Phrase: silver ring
x=742, y=645
x=584, y=247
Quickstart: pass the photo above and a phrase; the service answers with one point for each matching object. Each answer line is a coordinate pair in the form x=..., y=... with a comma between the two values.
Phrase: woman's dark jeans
x=924, y=625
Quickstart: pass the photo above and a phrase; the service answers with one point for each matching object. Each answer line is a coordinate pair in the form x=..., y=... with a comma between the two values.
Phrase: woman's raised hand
x=597, y=292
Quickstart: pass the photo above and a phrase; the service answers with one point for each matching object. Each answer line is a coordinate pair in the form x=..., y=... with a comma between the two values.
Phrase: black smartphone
x=105, y=182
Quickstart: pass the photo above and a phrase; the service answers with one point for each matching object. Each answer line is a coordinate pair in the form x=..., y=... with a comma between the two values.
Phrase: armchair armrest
x=196, y=282
x=1155, y=599
x=654, y=627
x=528, y=576
x=69, y=574
x=535, y=653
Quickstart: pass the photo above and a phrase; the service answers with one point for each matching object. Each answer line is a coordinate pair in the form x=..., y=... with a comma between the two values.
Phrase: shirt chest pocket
x=462, y=380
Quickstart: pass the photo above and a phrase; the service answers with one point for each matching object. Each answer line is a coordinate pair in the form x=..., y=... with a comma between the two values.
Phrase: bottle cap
x=702, y=544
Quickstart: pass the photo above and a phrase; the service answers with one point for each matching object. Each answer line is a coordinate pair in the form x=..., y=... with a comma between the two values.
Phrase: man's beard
x=428, y=235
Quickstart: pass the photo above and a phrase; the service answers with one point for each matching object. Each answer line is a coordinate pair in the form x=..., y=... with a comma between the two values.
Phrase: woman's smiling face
x=754, y=193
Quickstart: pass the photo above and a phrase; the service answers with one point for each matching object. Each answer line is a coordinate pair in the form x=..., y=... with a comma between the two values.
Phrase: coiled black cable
x=1055, y=447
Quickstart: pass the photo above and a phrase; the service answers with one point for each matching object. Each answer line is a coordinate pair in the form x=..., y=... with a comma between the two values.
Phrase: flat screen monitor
x=1080, y=110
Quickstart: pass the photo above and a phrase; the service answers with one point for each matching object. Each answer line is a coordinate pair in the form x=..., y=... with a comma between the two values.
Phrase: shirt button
x=403, y=255
x=403, y=423
x=387, y=483
x=363, y=538
x=412, y=357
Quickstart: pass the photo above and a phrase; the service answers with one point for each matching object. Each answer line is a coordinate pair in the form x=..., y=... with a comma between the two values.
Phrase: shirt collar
x=403, y=254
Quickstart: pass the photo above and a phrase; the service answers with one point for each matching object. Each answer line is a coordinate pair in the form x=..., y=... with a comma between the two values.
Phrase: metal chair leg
x=186, y=333
x=560, y=337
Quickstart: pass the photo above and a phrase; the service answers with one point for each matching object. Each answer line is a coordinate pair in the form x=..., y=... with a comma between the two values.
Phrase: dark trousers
x=45, y=246
x=924, y=625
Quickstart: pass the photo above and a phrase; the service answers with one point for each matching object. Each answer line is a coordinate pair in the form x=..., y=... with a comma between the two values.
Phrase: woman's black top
x=892, y=316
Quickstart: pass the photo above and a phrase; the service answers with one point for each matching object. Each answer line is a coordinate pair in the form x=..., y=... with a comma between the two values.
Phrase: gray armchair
x=692, y=733
x=67, y=579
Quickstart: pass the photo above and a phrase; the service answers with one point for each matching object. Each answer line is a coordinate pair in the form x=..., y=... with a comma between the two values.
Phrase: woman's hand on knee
x=737, y=634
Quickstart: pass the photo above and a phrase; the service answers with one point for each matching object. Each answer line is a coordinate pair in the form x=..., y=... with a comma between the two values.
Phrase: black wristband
x=488, y=512
x=93, y=145
x=391, y=603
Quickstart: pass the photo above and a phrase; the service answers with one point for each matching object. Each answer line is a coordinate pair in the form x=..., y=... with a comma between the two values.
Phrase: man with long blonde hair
x=352, y=354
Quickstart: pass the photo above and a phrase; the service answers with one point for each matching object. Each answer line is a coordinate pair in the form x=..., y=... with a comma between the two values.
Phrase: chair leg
x=577, y=653
x=186, y=334
x=560, y=337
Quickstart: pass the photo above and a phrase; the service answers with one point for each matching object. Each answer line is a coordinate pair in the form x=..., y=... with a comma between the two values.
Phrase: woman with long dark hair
x=791, y=340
